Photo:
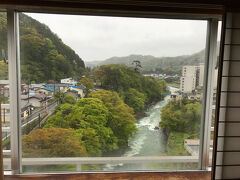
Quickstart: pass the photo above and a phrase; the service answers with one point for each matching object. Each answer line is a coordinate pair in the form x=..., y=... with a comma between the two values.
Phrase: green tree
x=182, y=116
x=3, y=70
x=120, y=78
x=121, y=120
x=87, y=82
x=86, y=113
x=44, y=56
x=91, y=141
x=69, y=99
x=135, y=99
x=137, y=65
x=61, y=118
x=59, y=96
x=52, y=142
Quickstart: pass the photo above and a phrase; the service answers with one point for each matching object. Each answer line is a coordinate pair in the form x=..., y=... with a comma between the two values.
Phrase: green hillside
x=168, y=65
x=43, y=54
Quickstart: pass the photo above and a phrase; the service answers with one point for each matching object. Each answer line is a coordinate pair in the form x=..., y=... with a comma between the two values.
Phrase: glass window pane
x=111, y=93
x=4, y=92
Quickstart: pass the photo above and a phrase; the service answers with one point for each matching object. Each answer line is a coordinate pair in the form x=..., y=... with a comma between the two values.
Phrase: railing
x=79, y=161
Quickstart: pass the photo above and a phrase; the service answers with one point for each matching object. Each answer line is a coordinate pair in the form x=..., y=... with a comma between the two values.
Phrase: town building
x=68, y=81
x=60, y=86
x=37, y=100
x=192, y=78
x=26, y=110
x=201, y=74
x=48, y=90
x=5, y=113
x=79, y=90
x=4, y=88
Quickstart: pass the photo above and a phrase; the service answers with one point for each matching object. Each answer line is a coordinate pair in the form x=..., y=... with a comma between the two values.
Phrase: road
x=35, y=114
x=50, y=109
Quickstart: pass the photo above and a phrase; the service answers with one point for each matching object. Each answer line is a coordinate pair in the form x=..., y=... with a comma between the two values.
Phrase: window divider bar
x=14, y=82
x=227, y=151
x=231, y=60
x=229, y=122
x=232, y=44
x=210, y=59
x=229, y=107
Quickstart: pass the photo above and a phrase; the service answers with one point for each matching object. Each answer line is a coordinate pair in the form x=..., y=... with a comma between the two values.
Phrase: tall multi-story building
x=201, y=74
x=192, y=78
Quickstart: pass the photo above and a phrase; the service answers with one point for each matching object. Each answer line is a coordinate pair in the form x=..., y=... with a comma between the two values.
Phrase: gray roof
x=39, y=96
x=25, y=105
x=58, y=85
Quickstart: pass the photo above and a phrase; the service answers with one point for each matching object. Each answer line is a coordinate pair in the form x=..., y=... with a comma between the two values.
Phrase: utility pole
x=39, y=120
x=28, y=90
x=4, y=115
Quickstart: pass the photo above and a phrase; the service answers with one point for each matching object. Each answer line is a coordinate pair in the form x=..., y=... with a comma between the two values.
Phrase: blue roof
x=79, y=87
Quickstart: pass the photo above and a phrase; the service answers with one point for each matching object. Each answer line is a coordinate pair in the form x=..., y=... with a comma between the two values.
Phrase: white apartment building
x=192, y=77
x=201, y=74
x=68, y=81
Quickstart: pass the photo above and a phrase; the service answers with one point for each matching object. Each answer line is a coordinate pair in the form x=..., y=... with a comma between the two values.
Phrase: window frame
x=14, y=78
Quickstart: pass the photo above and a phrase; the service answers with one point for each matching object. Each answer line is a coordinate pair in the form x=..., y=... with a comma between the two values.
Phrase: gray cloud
x=98, y=38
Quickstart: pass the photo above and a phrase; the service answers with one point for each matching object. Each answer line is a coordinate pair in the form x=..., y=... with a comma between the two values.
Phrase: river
x=147, y=141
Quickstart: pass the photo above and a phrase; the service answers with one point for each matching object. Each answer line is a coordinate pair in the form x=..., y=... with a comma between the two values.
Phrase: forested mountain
x=135, y=89
x=43, y=54
x=168, y=65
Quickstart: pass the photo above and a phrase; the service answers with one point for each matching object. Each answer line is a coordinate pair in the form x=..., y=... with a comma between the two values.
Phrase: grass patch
x=176, y=85
x=175, y=146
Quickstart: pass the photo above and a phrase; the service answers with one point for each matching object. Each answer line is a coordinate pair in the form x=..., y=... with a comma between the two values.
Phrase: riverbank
x=175, y=144
x=143, y=113
x=180, y=121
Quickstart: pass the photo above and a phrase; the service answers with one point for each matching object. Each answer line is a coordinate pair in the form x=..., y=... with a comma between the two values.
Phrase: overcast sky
x=99, y=38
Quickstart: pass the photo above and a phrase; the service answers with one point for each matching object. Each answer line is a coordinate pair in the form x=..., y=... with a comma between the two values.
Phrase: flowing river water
x=148, y=141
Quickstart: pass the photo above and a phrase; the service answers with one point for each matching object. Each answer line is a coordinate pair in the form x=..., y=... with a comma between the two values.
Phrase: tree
x=52, y=142
x=69, y=99
x=61, y=119
x=44, y=56
x=182, y=116
x=121, y=121
x=137, y=65
x=86, y=113
x=120, y=78
x=193, y=114
x=135, y=99
x=3, y=70
x=87, y=82
x=91, y=141
x=59, y=96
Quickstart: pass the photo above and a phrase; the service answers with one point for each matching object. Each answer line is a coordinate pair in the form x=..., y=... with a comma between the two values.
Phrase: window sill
x=183, y=175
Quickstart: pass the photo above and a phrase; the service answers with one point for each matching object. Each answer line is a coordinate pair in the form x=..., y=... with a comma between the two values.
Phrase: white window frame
x=14, y=78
